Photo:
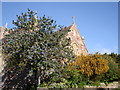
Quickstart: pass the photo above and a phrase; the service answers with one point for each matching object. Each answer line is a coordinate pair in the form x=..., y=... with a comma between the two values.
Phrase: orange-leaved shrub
x=90, y=65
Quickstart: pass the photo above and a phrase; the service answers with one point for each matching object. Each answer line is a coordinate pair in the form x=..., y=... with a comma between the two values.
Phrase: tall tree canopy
x=34, y=51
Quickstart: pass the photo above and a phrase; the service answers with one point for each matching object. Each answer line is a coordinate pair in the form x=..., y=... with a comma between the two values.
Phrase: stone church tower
x=77, y=42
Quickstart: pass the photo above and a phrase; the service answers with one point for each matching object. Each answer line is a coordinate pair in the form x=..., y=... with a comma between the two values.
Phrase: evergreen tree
x=34, y=51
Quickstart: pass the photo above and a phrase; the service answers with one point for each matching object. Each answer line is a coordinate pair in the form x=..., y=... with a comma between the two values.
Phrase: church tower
x=77, y=42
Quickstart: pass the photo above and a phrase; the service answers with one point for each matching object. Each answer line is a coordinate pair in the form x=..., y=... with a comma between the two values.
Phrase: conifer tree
x=34, y=51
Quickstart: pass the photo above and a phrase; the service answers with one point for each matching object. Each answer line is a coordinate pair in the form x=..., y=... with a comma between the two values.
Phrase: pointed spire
x=73, y=19
x=5, y=26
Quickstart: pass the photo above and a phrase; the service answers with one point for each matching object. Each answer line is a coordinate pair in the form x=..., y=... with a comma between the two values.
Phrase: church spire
x=5, y=26
x=73, y=19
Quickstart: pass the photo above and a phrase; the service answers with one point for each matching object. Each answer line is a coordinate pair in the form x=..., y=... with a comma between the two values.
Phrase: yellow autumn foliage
x=90, y=65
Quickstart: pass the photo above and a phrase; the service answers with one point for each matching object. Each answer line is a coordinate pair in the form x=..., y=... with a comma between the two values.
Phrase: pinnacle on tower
x=73, y=19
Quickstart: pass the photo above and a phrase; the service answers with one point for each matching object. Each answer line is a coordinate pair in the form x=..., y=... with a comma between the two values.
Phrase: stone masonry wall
x=77, y=41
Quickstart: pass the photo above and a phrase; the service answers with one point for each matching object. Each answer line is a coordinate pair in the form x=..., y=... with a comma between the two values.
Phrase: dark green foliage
x=75, y=79
x=69, y=79
x=113, y=73
x=34, y=51
x=116, y=57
